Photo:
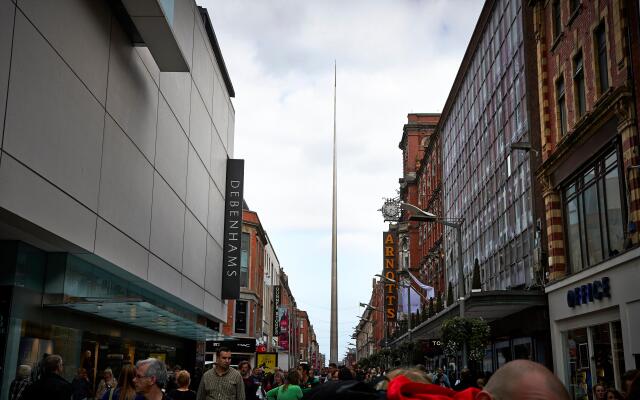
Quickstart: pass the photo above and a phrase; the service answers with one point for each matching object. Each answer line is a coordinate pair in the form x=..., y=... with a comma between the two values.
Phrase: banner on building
x=276, y=304
x=283, y=327
x=389, y=241
x=268, y=361
x=232, y=229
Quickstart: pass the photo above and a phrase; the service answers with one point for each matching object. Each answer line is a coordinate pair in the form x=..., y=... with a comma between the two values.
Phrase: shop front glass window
x=503, y=353
x=603, y=356
x=522, y=349
x=578, y=356
x=595, y=356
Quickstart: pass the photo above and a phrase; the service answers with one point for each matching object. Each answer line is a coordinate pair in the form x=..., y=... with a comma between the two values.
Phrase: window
x=557, y=18
x=574, y=4
x=562, y=109
x=594, y=355
x=241, y=316
x=244, y=260
x=594, y=213
x=578, y=84
x=601, y=51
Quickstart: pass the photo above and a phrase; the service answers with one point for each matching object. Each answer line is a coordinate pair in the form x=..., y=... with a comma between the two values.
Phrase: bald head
x=523, y=380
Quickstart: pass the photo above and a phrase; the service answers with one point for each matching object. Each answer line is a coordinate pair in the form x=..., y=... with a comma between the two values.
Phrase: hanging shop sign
x=235, y=346
x=232, y=229
x=283, y=323
x=589, y=293
x=276, y=303
x=390, y=240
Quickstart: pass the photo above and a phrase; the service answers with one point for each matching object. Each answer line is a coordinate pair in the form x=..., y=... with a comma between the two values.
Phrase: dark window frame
x=602, y=58
x=244, y=274
x=238, y=312
x=561, y=104
x=579, y=85
x=598, y=164
x=556, y=18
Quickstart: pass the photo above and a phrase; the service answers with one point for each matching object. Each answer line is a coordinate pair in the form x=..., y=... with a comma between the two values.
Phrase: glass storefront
x=54, y=303
x=594, y=356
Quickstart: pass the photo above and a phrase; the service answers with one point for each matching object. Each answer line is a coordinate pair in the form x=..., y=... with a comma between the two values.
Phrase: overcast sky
x=393, y=58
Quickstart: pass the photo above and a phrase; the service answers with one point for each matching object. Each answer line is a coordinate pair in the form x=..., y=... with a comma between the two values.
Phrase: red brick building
x=244, y=316
x=587, y=57
x=416, y=136
x=429, y=175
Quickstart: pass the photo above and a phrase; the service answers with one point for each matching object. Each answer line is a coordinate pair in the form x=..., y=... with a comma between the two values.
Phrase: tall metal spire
x=333, y=354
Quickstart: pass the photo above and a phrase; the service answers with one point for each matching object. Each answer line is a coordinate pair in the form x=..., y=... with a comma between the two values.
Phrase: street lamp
x=456, y=223
x=386, y=279
x=369, y=306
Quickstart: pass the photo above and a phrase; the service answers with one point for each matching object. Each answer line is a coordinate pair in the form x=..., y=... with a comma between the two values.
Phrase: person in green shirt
x=289, y=391
x=307, y=380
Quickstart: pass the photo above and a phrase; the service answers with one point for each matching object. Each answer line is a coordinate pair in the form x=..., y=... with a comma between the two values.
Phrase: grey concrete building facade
x=113, y=156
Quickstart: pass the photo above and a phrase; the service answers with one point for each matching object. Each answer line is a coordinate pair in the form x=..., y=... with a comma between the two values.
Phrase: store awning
x=489, y=305
x=141, y=314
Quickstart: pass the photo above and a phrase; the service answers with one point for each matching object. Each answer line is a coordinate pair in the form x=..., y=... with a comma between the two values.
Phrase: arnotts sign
x=390, y=289
x=232, y=230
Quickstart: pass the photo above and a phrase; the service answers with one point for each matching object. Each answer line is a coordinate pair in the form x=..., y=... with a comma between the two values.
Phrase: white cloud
x=393, y=57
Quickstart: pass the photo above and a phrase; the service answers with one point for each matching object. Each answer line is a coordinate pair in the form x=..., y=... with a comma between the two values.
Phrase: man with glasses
x=221, y=382
x=151, y=376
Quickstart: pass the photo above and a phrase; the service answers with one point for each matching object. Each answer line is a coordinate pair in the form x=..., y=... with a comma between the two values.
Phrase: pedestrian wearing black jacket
x=52, y=386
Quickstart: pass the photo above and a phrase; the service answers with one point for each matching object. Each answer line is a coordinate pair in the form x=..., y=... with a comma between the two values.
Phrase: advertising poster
x=268, y=361
x=283, y=327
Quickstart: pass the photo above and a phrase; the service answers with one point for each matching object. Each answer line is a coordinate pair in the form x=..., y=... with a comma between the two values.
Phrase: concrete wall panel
x=213, y=274
x=7, y=11
x=167, y=224
x=164, y=276
x=171, y=150
x=79, y=31
x=114, y=246
x=218, y=163
x=126, y=185
x=195, y=249
x=203, y=66
x=220, y=109
x=200, y=128
x=149, y=63
x=215, y=306
x=183, y=24
x=132, y=95
x=23, y=192
x=53, y=124
x=192, y=293
x=197, y=187
x=215, y=220
x=176, y=88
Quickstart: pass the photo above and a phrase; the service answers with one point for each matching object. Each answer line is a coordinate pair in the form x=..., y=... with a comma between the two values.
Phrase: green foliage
x=472, y=331
x=431, y=307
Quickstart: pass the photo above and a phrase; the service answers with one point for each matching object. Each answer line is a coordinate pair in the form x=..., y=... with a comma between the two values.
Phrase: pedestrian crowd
x=150, y=380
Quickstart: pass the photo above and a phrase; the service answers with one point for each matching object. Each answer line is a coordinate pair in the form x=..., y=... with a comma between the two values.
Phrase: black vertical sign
x=276, y=305
x=232, y=229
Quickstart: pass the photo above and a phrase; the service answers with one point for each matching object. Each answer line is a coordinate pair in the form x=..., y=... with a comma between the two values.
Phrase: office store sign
x=589, y=293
